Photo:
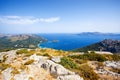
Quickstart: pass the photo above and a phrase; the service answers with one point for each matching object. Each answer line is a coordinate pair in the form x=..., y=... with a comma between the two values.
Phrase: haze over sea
x=73, y=41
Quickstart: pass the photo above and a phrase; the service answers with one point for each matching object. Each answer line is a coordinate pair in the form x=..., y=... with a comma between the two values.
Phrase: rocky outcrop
x=41, y=69
x=105, y=71
x=69, y=77
x=56, y=59
x=57, y=70
x=112, y=64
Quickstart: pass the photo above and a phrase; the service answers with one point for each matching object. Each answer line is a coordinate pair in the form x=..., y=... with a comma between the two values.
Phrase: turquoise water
x=72, y=41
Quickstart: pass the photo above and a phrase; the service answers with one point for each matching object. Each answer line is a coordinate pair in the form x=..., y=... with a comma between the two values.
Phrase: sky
x=59, y=16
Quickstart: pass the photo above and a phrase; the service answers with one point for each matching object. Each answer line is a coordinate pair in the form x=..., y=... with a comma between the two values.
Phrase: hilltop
x=51, y=64
x=105, y=45
x=8, y=41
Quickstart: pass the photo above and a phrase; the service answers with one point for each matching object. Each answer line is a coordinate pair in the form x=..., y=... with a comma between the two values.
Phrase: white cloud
x=26, y=19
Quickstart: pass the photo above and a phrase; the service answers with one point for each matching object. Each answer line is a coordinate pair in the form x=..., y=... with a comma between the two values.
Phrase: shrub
x=113, y=57
x=15, y=71
x=4, y=66
x=87, y=73
x=116, y=70
x=80, y=61
x=22, y=51
x=31, y=78
x=46, y=54
x=23, y=67
x=4, y=58
x=68, y=63
x=90, y=56
x=29, y=62
x=83, y=70
x=26, y=52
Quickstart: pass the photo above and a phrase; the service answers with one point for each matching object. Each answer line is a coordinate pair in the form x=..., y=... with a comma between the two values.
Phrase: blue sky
x=59, y=16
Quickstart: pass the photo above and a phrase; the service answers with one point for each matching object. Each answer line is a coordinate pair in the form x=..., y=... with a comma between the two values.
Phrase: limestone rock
x=56, y=59
x=69, y=77
x=56, y=69
x=7, y=74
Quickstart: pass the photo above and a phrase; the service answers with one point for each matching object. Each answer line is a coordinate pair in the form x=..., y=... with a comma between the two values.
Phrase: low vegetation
x=87, y=72
x=29, y=62
x=68, y=63
x=83, y=70
x=90, y=56
x=116, y=70
x=113, y=57
x=15, y=71
x=4, y=66
x=80, y=64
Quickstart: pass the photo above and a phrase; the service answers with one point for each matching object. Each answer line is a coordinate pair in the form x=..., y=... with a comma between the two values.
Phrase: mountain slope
x=105, y=45
x=20, y=41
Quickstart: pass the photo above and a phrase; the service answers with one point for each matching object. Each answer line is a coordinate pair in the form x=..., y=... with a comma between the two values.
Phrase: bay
x=72, y=41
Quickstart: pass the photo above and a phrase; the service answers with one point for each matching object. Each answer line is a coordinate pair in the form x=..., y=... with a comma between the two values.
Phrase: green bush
x=68, y=63
x=26, y=52
x=22, y=51
x=83, y=70
x=90, y=56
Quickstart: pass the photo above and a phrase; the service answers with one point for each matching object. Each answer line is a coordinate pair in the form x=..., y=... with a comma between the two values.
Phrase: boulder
x=69, y=77
x=56, y=59
x=56, y=69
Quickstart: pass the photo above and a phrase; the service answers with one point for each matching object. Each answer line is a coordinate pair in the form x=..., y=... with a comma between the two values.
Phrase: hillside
x=19, y=41
x=105, y=45
x=51, y=64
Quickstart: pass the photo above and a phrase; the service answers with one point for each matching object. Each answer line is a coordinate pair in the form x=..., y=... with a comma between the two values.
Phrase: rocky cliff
x=105, y=45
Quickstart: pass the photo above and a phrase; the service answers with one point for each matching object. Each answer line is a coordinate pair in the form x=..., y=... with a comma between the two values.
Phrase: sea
x=73, y=41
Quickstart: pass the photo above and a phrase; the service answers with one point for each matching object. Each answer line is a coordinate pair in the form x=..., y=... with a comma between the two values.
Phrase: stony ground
x=33, y=67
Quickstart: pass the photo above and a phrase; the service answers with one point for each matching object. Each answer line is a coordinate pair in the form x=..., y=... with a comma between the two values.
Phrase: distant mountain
x=97, y=34
x=19, y=41
x=105, y=45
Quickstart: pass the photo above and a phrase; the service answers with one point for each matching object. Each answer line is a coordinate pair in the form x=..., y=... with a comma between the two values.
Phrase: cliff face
x=105, y=45
x=110, y=45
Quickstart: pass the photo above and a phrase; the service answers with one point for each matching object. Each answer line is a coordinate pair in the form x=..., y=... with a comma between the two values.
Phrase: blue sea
x=72, y=41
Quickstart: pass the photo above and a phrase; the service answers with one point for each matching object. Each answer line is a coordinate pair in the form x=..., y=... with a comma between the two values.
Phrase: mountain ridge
x=105, y=45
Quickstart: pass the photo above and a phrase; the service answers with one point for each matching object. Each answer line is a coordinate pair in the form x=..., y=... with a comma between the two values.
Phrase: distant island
x=55, y=41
